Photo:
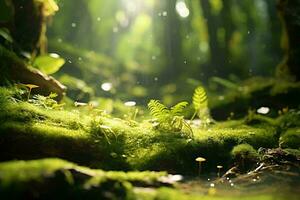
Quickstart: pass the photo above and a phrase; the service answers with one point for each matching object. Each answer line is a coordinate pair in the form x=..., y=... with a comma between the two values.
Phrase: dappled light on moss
x=149, y=99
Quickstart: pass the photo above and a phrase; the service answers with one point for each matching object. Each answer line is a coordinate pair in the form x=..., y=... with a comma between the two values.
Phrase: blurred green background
x=142, y=49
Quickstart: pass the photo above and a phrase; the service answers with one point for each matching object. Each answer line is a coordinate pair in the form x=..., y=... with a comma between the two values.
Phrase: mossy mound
x=290, y=139
x=254, y=93
x=59, y=179
x=53, y=178
x=97, y=140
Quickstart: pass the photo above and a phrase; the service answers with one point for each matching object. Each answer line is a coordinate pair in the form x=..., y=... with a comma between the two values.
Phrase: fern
x=200, y=104
x=170, y=119
x=158, y=110
x=178, y=108
x=200, y=98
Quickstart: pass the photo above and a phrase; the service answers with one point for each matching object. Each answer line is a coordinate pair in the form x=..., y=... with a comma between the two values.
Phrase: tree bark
x=289, y=12
x=172, y=43
x=14, y=68
x=28, y=29
x=217, y=54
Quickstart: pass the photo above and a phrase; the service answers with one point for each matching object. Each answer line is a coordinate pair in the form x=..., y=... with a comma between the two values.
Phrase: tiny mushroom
x=200, y=160
x=219, y=170
x=30, y=87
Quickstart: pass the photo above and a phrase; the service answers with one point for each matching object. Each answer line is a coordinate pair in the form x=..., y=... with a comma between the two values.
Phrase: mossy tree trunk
x=289, y=12
x=27, y=25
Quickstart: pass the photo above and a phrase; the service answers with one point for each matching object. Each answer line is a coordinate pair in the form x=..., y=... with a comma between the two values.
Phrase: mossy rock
x=290, y=139
x=254, y=93
x=53, y=178
x=58, y=179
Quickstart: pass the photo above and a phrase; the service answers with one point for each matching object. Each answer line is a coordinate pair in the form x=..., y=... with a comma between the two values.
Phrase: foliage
x=80, y=138
x=200, y=104
x=4, y=33
x=49, y=64
x=170, y=119
x=46, y=102
x=158, y=110
x=224, y=82
x=98, y=130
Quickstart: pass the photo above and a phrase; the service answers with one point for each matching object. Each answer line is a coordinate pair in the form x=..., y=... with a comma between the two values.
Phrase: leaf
x=157, y=109
x=52, y=95
x=226, y=83
x=6, y=35
x=49, y=64
x=200, y=99
x=178, y=108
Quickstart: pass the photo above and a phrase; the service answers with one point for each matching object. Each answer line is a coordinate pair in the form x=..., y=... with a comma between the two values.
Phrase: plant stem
x=199, y=170
x=194, y=115
x=28, y=94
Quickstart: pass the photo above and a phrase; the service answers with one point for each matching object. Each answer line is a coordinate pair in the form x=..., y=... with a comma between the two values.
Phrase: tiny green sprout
x=219, y=170
x=30, y=87
x=200, y=160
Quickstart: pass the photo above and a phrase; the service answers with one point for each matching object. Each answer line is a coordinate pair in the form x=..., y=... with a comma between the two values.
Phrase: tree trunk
x=229, y=28
x=289, y=12
x=172, y=42
x=217, y=56
x=28, y=29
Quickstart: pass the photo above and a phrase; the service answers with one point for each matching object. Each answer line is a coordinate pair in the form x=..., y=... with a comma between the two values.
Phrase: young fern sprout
x=200, y=104
x=170, y=119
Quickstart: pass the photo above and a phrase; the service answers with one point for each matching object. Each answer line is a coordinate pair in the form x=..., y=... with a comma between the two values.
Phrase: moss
x=53, y=178
x=59, y=179
x=29, y=132
x=254, y=93
x=245, y=156
x=290, y=139
x=244, y=151
x=213, y=194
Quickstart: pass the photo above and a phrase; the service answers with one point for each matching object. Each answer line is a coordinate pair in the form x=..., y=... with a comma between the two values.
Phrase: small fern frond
x=157, y=109
x=200, y=99
x=178, y=108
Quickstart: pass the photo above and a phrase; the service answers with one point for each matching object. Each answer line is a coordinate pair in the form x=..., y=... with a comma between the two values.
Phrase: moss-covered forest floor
x=56, y=139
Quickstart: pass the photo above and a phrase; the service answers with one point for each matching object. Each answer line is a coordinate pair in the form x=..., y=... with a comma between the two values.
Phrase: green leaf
x=4, y=32
x=200, y=103
x=48, y=64
x=200, y=99
x=178, y=108
x=158, y=110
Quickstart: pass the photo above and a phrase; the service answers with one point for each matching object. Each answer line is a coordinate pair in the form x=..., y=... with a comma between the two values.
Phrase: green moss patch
x=55, y=178
x=290, y=139
x=97, y=140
